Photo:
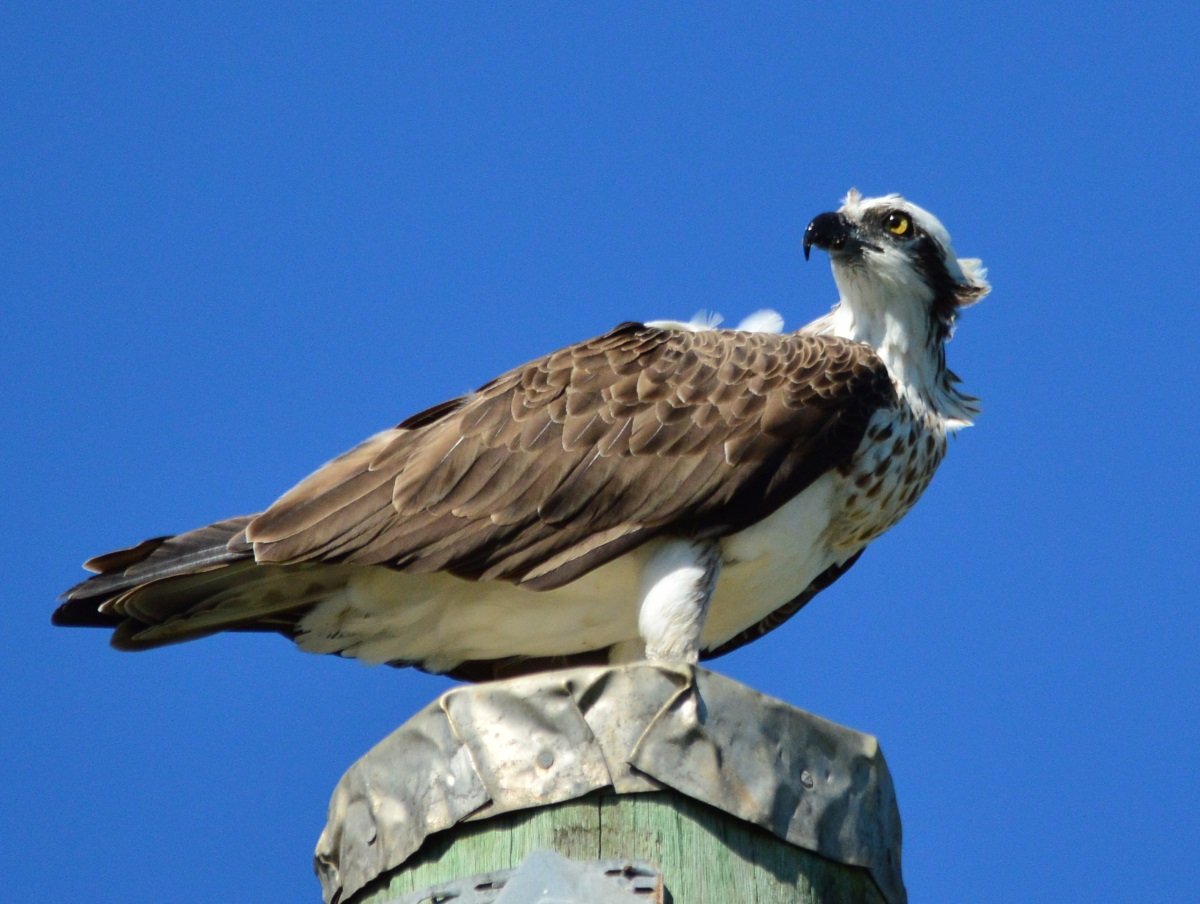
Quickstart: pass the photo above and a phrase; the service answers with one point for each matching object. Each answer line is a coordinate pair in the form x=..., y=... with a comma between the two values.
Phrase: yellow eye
x=897, y=223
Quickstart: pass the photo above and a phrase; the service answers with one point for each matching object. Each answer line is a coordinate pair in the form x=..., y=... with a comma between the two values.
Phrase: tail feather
x=202, y=549
x=169, y=589
x=243, y=596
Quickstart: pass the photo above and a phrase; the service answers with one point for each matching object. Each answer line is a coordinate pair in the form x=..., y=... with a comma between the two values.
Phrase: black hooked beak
x=830, y=231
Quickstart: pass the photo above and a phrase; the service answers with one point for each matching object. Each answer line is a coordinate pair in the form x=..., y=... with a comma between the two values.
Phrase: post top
x=486, y=749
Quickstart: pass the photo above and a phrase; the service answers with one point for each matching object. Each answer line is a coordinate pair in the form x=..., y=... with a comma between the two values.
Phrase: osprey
x=663, y=491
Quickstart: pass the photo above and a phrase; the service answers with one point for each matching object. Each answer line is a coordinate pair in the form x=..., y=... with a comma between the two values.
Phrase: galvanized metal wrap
x=485, y=749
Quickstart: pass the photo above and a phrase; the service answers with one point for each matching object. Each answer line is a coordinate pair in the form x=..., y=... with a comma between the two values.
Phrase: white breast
x=771, y=562
x=889, y=472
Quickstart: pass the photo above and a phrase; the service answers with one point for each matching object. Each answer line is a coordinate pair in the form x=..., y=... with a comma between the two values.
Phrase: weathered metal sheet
x=486, y=749
x=548, y=876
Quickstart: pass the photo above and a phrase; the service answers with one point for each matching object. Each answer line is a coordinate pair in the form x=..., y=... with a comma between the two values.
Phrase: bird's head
x=890, y=255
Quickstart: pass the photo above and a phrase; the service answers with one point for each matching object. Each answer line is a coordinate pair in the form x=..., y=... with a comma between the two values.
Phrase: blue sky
x=239, y=240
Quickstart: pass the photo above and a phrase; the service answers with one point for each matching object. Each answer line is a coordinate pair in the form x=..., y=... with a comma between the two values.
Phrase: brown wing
x=565, y=463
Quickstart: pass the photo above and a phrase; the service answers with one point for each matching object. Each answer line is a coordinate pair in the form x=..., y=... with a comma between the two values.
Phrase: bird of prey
x=663, y=491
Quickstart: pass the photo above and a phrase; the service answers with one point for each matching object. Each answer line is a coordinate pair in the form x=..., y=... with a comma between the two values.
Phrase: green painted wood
x=706, y=856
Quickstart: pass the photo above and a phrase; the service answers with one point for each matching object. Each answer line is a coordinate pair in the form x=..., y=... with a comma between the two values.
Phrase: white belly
x=439, y=620
x=773, y=561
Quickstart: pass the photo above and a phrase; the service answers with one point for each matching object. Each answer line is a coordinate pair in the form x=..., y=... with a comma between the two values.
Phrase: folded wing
x=565, y=463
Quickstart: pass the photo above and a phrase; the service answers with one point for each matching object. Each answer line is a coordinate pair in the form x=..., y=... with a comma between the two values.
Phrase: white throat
x=898, y=332
x=889, y=312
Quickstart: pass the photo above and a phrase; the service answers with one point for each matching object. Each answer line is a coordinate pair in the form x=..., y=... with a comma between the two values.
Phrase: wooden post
x=704, y=855
x=729, y=795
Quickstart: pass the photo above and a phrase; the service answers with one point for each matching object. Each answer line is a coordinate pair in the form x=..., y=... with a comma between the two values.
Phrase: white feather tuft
x=761, y=321
x=706, y=320
x=975, y=273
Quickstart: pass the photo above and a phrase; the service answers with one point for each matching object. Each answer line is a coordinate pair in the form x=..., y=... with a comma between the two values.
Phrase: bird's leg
x=677, y=583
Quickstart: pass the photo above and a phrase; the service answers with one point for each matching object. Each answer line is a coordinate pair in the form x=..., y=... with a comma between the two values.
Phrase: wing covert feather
x=564, y=463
